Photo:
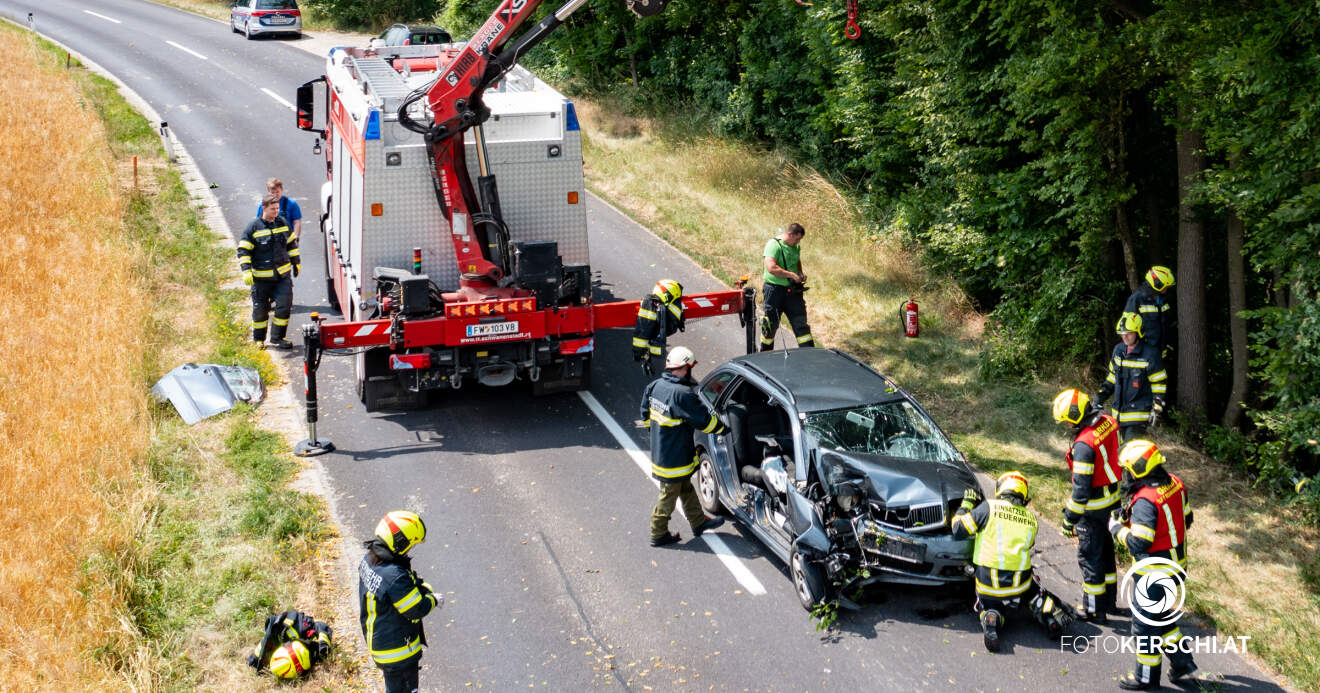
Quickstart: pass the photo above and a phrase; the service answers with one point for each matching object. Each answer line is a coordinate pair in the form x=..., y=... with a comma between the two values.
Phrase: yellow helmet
x=1129, y=322
x=291, y=660
x=1140, y=457
x=401, y=530
x=1070, y=406
x=1012, y=483
x=1160, y=278
x=668, y=290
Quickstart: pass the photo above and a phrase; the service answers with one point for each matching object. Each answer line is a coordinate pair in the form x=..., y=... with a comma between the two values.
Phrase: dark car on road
x=836, y=469
x=414, y=35
x=254, y=18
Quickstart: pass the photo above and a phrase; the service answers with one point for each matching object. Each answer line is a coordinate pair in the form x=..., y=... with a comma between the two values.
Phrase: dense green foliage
x=373, y=14
x=1031, y=148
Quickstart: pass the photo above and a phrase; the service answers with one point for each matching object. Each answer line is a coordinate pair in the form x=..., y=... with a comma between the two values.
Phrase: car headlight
x=848, y=501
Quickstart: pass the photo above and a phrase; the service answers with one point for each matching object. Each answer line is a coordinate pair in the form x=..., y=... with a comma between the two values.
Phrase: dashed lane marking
x=101, y=16
x=643, y=462
x=278, y=98
x=188, y=50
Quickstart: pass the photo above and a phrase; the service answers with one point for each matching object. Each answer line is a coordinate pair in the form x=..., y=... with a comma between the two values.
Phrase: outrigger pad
x=647, y=8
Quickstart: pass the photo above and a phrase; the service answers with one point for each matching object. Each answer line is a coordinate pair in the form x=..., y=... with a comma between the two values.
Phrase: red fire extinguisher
x=910, y=326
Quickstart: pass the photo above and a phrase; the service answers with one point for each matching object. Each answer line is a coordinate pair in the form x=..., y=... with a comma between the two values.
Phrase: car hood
x=897, y=481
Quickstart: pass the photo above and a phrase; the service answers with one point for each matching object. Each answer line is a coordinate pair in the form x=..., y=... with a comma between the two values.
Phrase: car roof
x=821, y=379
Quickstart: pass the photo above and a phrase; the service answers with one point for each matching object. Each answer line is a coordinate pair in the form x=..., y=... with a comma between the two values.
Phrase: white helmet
x=680, y=356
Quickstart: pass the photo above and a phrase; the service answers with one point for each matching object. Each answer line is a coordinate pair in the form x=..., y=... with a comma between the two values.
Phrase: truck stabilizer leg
x=312, y=446
x=748, y=317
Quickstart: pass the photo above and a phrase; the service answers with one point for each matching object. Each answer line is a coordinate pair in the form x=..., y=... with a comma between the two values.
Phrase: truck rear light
x=408, y=362
x=572, y=197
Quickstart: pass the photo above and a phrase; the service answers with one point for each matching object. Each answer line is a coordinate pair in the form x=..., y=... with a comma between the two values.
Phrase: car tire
x=808, y=580
x=708, y=486
x=247, y=30
x=233, y=27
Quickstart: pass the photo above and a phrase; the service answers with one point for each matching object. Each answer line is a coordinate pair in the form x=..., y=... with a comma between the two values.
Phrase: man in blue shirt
x=289, y=209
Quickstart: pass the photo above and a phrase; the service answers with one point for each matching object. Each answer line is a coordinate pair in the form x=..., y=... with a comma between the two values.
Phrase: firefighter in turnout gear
x=1156, y=310
x=1153, y=523
x=1136, y=379
x=268, y=254
x=785, y=283
x=672, y=409
x=392, y=600
x=659, y=316
x=1093, y=463
x=1005, y=532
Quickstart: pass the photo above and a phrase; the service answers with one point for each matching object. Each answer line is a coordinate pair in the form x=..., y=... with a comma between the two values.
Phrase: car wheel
x=708, y=487
x=233, y=26
x=247, y=29
x=808, y=580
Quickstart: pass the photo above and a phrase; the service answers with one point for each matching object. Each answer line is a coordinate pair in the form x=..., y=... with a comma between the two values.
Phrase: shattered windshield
x=896, y=429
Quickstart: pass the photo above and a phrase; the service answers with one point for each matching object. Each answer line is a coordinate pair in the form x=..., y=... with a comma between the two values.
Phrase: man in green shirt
x=784, y=285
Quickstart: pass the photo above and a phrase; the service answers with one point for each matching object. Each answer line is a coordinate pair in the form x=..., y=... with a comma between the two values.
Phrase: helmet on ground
x=291, y=660
x=401, y=530
x=1070, y=406
x=1160, y=278
x=1012, y=484
x=680, y=356
x=1140, y=457
x=668, y=290
x=1129, y=322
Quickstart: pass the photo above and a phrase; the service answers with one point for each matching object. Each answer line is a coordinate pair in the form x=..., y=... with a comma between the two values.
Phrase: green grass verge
x=221, y=534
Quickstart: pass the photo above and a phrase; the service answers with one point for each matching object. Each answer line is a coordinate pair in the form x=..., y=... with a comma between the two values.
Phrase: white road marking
x=277, y=97
x=188, y=50
x=643, y=462
x=101, y=16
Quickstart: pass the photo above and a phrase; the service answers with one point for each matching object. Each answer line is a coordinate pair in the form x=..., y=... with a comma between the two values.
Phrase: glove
x=1069, y=528
x=648, y=368
x=296, y=268
x=1115, y=524
x=247, y=277
x=1099, y=400
x=970, y=498
x=642, y=423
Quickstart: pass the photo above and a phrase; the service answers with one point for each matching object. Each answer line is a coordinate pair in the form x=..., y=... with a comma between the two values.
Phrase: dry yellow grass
x=72, y=403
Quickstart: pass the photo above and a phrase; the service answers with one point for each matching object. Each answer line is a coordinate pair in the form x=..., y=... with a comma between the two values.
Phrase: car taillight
x=296, y=13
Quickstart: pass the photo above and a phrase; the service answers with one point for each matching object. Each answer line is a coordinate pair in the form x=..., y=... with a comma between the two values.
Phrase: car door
x=714, y=390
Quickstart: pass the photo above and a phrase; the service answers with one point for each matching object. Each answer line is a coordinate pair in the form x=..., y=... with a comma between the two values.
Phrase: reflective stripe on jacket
x=675, y=410
x=1093, y=463
x=1137, y=380
x=269, y=249
x=1159, y=516
x=1005, y=541
x=652, y=313
x=1156, y=313
x=391, y=603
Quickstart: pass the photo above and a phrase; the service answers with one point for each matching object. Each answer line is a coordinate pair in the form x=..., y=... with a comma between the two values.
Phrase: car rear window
x=277, y=4
x=425, y=38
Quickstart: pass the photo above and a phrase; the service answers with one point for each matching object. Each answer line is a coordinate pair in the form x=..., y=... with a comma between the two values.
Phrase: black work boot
x=277, y=339
x=1100, y=618
x=990, y=622
x=665, y=540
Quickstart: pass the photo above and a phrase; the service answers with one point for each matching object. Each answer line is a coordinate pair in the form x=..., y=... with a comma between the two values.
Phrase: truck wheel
x=808, y=580
x=708, y=487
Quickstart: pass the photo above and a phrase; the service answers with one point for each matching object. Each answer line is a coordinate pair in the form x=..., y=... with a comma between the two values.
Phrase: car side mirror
x=772, y=470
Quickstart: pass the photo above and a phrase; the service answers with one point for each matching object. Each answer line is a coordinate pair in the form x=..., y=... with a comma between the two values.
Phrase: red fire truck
x=442, y=282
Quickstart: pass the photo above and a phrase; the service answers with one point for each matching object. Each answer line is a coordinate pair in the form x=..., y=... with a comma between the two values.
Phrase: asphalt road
x=537, y=514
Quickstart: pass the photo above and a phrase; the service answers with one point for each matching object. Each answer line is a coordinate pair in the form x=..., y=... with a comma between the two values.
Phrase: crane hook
x=852, y=30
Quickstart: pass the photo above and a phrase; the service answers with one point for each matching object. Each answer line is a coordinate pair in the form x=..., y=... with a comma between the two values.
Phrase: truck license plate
x=491, y=329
